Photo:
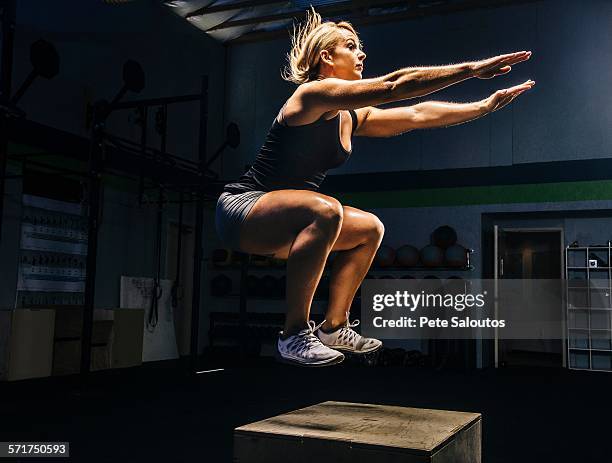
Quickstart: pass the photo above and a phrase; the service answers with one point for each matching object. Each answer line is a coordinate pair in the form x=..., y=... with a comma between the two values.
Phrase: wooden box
x=67, y=357
x=116, y=340
x=343, y=432
x=26, y=343
x=127, y=335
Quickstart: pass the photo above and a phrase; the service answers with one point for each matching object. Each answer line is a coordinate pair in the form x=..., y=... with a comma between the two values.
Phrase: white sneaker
x=346, y=339
x=306, y=349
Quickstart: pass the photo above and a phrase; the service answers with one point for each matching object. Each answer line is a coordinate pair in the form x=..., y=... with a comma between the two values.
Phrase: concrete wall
x=566, y=116
x=94, y=40
x=415, y=225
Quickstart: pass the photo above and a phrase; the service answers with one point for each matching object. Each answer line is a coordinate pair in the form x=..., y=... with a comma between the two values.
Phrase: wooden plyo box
x=26, y=343
x=341, y=432
x=116, y=340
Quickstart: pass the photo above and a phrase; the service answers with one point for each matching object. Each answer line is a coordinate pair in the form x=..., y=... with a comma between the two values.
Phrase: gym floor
x=158, y=413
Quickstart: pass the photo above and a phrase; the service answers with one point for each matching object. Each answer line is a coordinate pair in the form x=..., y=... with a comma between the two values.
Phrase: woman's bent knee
x=328, y=213
x=376, y=230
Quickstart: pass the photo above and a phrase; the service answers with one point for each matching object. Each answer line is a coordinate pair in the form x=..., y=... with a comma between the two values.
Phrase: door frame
x=498, y=267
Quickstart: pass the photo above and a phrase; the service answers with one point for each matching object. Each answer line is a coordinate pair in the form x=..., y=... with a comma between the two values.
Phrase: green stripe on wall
x=19, y=148
x=502, y=194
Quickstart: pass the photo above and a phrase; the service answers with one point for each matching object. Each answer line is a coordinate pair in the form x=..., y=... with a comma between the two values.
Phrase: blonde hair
x=308, y=40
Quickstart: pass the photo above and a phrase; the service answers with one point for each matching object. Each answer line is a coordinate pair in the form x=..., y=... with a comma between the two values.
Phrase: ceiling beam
x=232, y=6
x=258, y=36
x=326, y=11
x=365, y=19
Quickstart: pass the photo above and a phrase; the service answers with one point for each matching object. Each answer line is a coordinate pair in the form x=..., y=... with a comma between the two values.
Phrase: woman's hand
x=498, y=65
x=501, y=98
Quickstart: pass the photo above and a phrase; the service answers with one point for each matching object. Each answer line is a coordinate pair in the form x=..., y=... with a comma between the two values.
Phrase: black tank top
x=295, y=157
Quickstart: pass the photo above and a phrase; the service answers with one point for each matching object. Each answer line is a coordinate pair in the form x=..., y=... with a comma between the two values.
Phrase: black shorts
x=232, y=210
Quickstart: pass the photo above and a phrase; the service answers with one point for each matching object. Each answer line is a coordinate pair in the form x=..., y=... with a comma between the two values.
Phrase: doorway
x=529, y=254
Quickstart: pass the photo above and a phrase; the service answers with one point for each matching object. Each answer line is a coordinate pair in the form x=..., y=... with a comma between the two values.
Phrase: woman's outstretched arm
x=374, y=122
x=332, y=93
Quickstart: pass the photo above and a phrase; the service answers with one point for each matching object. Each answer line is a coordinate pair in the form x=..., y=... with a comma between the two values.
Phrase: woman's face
x=347, y=57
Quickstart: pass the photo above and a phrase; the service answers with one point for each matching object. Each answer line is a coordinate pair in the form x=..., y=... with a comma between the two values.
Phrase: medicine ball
x=407, y=256
x=456, y=256
x=444, y=236
x=220, y=285
x=432, y=256
x=385, y=256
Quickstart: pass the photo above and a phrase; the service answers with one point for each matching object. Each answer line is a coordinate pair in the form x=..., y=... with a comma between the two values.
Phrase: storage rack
x=254, y=328
x=249, y=329
x=588, y=276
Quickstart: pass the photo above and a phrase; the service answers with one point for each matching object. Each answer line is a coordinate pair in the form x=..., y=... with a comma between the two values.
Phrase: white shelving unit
x=589, y=307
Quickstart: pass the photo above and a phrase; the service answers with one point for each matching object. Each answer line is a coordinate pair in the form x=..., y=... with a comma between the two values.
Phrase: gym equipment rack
x=107, y=154
x=588, y=276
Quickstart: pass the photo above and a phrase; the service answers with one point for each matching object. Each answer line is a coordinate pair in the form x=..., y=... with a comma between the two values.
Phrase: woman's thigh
x=279, y=216
x=358, y=227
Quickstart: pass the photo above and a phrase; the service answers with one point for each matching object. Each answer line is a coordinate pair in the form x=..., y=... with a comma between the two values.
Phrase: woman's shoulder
x=296, y=111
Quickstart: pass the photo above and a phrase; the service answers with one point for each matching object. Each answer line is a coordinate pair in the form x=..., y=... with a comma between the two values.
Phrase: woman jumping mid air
x=275, y=209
